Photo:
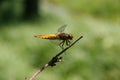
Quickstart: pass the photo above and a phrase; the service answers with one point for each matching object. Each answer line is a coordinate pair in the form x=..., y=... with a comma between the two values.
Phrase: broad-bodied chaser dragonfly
x=64, y=37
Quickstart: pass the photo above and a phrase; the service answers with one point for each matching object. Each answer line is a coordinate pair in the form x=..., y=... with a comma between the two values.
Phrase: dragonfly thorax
x=65, y=36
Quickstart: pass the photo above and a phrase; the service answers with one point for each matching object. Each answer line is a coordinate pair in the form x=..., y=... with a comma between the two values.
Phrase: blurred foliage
x=97, y=8
x=10, y=10
x=95, y=57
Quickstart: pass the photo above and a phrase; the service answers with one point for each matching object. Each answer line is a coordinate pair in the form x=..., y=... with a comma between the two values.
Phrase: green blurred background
x=95, y=57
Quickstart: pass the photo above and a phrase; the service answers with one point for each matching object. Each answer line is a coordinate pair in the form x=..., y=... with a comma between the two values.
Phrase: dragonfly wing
x=62, y=28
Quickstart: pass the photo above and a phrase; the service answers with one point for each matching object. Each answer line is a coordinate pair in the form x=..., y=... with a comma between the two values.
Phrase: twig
x=52, y=62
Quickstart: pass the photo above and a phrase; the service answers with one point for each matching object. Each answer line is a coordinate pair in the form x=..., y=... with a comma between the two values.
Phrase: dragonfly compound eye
x=70, y=36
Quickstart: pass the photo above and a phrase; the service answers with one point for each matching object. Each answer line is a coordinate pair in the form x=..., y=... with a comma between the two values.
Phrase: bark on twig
x=52, y=62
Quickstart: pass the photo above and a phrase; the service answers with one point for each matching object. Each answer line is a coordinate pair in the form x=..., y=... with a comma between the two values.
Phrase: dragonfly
x=60, y=35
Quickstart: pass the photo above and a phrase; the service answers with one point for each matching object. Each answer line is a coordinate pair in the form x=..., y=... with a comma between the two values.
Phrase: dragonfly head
x=70, y=36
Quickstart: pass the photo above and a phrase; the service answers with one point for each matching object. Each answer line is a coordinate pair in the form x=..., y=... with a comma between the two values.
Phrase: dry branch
x=52, y=62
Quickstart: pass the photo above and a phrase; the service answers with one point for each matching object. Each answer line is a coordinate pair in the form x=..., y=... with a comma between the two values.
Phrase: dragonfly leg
x=68, y=42
x=62, y=44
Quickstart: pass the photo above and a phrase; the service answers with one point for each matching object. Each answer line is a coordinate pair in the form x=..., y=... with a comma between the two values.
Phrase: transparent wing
x=62, y=28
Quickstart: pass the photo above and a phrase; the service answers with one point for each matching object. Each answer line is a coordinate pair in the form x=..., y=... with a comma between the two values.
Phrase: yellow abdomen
x=48, y=36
